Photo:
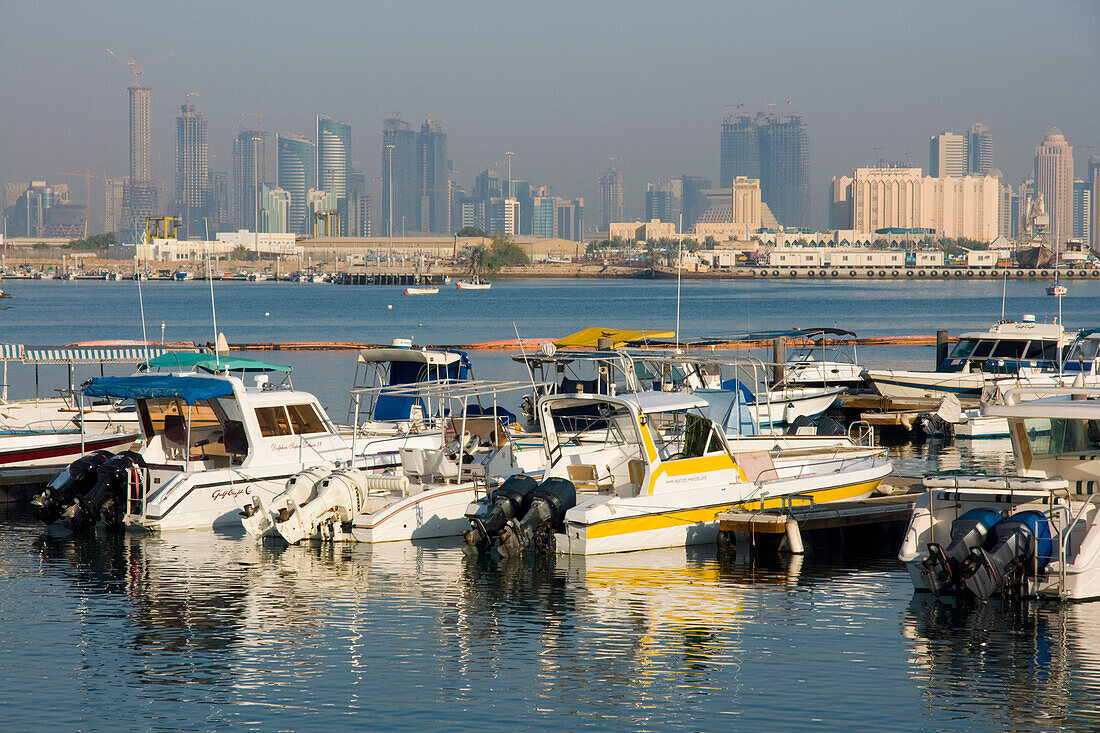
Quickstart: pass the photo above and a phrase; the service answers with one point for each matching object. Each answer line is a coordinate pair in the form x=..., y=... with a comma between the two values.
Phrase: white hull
x=421, y=291
x=899, y=384
x=690, y=517
x=817, y=374
x=439, y=511
x=789, y=404
x=463, y=285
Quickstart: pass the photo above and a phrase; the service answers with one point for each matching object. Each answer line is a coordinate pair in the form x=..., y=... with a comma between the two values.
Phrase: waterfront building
x=433, y=179
x=192, y=173
x=400, y=178
x=295, y=173
x=739, y=150
x=274, y=211
x=1054, y=179
x=641, y=231
x=115, y=189
x=947, y=155
x=611, y=197
x=249, y=173
x=953, y=206
x=979, y=150
x=1082, y=210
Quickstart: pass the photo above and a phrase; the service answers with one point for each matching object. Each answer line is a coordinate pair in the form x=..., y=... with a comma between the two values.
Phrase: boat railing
x=862, y=433
x=813, y=468
x=1065, y=537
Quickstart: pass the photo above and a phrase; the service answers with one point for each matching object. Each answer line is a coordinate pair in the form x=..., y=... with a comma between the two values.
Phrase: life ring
x=1020, y=273
x=894, y=273
x=970, y=273
x=932, y=273
x=1083, y=273
x=1031, y=273
x=835, y=273
x=851, y=273
x=794, y=273
x=775, y=273
x=982, y=273
x=761, y=273
x=1043, y=273
x=909, y=273
x=882, y=273
x=823, y=273
x=811, y=273
x=1095, y=273
x=958, y=273
x=920, y=273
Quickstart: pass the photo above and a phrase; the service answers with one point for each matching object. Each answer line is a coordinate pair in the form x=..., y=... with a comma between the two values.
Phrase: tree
x=478, y=256
x=471, y=232
x=96, y=243
x=240, y=252
x=40, y=246
x=503, y=252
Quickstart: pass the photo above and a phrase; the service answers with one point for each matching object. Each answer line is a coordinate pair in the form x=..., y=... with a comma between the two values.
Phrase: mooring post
x=779, y=356
x=941, y=347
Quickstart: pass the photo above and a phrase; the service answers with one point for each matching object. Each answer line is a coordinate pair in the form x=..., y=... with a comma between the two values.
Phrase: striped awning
x=125, y=355
x=12, y=352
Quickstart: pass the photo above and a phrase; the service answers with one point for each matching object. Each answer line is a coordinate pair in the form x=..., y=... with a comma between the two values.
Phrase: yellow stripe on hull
x=680, y=518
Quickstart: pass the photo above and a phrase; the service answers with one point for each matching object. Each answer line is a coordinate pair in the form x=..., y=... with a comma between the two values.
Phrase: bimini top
x=645, y=402
x=190, y=389
x=210, y=363
x=591, y=337
x=793, y=333
x=419, y=356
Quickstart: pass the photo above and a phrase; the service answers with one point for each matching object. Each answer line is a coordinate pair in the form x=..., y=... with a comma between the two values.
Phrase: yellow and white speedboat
x=650, y=470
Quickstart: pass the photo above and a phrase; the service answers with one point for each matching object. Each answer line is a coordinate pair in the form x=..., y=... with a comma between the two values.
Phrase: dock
x=876, y=524
x=18, y=485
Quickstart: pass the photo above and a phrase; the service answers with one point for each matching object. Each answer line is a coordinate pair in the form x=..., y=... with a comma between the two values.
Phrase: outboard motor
x=940, y=570
x=107, y=499
x=549, y=503
x=338, y=497
x=259, y=521
x=508, y=501
x=75, y=480
x=1023, y=543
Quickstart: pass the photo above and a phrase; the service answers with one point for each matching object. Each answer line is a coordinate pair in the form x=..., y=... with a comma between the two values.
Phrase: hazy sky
x=564, y=85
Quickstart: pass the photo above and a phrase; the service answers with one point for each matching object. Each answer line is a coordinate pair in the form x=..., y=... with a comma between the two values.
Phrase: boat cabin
x=1009, y=347
x=400, y=366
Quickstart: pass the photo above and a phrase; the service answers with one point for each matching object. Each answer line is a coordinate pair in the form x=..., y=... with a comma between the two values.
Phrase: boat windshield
x=1058, y=436
x=828, y=354
x=963, y=349
x=600, y=422
x=1085, y=350
x=208, y=429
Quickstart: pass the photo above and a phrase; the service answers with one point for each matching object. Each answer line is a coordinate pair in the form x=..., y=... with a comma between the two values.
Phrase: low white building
x=259, y=243
x=641, y=231
x=981, y=258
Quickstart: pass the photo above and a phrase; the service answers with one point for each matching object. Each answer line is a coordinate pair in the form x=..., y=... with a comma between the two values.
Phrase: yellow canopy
x=590, y=337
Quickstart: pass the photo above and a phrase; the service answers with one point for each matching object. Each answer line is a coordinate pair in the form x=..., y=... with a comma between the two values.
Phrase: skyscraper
x=1094, y=179
x=359, y=207
x=218, y=201
x=249, y=173
x=192, y=172
x=979, y=150
x=1082, y=210
x=739, y=150
x=947, y=155
x=1054, y=180
x=115, y=191
x=295, y=173
x=333, y=156
x=658, y=202
x=784, y=169
x=399, y=177
x=611, y=197
x=140, y=106
x=433, y=197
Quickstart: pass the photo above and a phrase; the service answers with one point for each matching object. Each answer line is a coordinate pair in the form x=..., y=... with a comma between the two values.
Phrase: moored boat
x=422, y=290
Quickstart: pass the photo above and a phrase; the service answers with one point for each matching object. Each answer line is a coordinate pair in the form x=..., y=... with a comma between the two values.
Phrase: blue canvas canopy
x=145, y=386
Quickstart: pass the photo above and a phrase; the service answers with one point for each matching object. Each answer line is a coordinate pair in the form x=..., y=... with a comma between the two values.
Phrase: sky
x=565, y=85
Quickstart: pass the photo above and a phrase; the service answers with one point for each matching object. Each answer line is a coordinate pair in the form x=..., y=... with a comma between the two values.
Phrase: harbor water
x=207, y=630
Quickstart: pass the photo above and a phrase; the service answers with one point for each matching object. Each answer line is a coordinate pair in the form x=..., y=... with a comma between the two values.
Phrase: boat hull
x=790, y=404
x=57, y=449
x=436, y=512
x=899, y=384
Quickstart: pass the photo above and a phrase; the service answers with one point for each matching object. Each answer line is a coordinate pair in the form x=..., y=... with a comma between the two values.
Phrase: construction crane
x=135, y=65
x=87, y=176
x=259, y=118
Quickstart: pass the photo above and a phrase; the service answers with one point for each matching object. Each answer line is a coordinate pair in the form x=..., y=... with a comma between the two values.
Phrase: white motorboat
x=826, y=358
x=473, y=284
x=422, y=290
x=427, y=497
x=1036, y=533
x=648, y=470
x=1009, y=348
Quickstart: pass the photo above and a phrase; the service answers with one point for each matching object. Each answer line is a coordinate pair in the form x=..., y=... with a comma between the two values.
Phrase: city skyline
x=72, y=106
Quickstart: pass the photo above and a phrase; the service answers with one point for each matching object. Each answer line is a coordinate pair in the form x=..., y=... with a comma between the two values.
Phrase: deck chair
x=412, y=463
x=585, y=477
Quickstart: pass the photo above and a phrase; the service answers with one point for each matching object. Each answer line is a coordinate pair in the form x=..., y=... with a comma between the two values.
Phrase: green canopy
x=210, y=363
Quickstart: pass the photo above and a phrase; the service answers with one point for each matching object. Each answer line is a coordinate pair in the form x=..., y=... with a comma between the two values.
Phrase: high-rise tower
x=611, y=196
x=1094, y=179
x=192, y=171
x=296, y=173
x=399, y=177
x=739, y=150
x=249, y=173
x=1054, y=179
x=433, y=198
x=140, y=105
x=784, y=169
x=333, y=156
x=979, y=150
x=947, y=155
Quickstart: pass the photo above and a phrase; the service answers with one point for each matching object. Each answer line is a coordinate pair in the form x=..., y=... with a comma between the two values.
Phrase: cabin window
x=983, y=349
x=305, y=420
x=963, y=349
x=1085, y=350
x=273, y=421
x=1042, y=351
x=1009, y=349
x=1058, y=436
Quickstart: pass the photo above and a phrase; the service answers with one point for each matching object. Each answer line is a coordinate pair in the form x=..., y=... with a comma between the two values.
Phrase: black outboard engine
x=549, y=503
x=107, y=499
x=509, y=500
x=1023, y=545
x=940, y=570
x=75, y=480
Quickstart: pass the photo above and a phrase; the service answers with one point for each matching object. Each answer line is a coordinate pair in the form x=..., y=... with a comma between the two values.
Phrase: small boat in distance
x=473, y=284
x=423, y=290
x=4, y=294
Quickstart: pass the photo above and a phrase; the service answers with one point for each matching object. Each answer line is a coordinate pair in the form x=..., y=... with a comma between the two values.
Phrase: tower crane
x=135, y=65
